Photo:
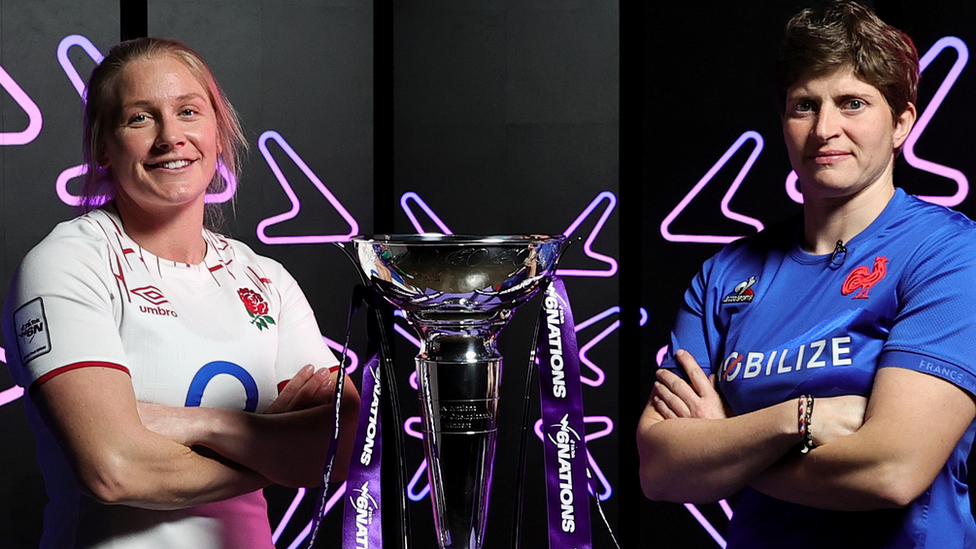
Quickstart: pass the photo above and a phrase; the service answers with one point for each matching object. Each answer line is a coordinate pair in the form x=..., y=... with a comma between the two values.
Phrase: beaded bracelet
x=804, y=417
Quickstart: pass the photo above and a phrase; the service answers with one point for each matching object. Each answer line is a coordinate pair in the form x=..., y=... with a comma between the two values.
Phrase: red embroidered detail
x=120, y=277
x=256, y=307
x=863, y=280
x=258, y=279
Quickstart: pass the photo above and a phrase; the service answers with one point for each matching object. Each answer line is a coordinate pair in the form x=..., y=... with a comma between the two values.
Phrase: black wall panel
x=506, y=121
x=35, y=88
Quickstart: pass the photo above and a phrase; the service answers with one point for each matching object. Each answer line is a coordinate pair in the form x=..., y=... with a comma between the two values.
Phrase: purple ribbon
x=362, y=524
x=562, y=422
x=563, y=429
x=362, y=479
x=320, y=506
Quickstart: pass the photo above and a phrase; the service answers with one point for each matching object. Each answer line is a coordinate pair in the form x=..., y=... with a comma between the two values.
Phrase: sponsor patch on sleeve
x=33, y=337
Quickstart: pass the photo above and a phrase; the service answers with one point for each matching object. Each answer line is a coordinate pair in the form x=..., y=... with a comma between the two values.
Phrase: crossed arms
x=159, y=457
x=872, y=453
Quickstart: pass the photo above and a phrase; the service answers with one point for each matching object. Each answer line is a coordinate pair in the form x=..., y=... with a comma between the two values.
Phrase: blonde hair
x=103, y=109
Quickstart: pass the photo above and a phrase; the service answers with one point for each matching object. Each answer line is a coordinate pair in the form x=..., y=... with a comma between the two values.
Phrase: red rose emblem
x=256, y=307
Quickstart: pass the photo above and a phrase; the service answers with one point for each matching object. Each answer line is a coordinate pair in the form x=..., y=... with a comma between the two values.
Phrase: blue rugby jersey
x=774, y=322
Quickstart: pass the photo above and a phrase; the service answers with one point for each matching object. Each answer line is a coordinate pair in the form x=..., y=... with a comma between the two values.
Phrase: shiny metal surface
x=444, y=275
x=458, y=292
x=459, y=407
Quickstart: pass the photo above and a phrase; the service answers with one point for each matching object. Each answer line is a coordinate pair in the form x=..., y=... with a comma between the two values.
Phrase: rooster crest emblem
x=742, y=293
x=862, y=280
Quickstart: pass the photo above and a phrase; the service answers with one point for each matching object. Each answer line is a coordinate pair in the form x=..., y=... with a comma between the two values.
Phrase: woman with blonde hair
x=172, y=373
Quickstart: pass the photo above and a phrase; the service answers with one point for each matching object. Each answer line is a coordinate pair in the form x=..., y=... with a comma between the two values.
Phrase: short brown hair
x=848, y=34
x=103, y=109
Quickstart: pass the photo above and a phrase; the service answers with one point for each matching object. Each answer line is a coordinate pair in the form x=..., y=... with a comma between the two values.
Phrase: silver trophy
x=458, y=292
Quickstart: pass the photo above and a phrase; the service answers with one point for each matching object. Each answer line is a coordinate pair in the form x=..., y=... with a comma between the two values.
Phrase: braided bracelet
x=804, y=417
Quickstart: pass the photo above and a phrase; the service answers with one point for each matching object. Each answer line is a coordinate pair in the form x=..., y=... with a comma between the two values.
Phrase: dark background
x=504, y=116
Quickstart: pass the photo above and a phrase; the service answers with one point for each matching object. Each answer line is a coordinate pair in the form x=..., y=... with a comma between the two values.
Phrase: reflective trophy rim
x=439, y=239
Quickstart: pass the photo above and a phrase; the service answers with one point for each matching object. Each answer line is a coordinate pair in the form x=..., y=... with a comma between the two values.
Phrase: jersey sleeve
x=299, y=340
x=691, y=328
x=935, y=329
x=59, y=312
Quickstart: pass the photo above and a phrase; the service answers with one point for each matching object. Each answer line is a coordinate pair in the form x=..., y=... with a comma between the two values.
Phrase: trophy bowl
x=457, y=275
x=458, y=292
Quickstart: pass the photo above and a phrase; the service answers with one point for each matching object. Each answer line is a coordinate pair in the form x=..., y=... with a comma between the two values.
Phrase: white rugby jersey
x=224, y=333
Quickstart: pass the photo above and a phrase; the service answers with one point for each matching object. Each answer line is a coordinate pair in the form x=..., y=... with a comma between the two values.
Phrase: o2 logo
x=203, y=377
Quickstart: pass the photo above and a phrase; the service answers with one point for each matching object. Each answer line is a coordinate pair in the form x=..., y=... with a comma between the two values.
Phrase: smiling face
x=163, y=151
x=841, y=136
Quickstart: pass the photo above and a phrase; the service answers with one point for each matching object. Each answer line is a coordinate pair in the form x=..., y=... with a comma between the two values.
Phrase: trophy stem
x=459, y=406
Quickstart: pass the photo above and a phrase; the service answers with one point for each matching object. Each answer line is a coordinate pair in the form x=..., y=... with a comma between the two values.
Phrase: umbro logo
x=151, y=294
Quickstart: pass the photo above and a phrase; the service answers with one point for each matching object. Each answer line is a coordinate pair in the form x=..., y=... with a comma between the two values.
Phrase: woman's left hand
x=673, y=397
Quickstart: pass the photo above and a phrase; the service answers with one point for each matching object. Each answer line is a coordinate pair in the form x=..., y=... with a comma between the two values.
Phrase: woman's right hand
x=674, y=397
x=309, y=388
x=835, y=417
